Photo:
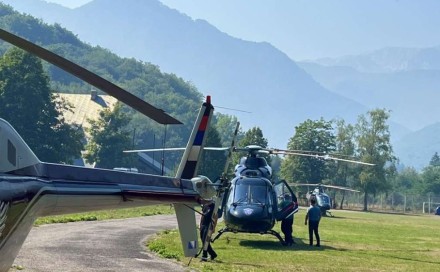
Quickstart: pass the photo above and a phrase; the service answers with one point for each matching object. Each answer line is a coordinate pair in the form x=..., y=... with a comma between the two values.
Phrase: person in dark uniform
x=287, y=223
x=313, y=216
x=205, y=223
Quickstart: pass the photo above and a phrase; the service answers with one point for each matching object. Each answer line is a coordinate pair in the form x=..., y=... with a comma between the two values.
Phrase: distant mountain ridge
x=404, y=80
x=244, y=75
x=416, y=149
x=389, y=60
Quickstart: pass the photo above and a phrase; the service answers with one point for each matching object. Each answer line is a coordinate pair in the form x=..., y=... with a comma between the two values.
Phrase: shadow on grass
x=337, y=217
x=253, y=265
x=414, y=260
x=391, y=213
x=276, y=246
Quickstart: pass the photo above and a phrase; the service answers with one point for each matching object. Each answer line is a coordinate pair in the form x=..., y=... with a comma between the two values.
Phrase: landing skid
x=272, y=232
x=328, y=213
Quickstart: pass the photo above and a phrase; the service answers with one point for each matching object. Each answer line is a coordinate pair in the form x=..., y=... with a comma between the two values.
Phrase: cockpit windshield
x=250, y=194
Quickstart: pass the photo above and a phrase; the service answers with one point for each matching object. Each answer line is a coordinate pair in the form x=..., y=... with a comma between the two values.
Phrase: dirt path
x=112, y=245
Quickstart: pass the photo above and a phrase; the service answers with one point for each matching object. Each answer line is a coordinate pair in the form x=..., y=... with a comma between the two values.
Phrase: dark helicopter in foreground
x=252, y=203
x=323, y=200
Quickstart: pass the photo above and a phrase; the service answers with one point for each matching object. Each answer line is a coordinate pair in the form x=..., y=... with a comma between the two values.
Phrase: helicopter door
x=286, y=200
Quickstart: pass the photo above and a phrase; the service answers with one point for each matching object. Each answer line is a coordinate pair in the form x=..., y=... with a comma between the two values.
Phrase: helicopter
x=30, y=188
x=323, y=200
x=252, y=202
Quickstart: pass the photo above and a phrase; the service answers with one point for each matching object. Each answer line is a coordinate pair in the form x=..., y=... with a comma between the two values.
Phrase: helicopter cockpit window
x=250, y=194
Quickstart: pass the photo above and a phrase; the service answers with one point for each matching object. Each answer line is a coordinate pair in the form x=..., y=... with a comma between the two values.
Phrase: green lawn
x=107, y=214
x=351, y=241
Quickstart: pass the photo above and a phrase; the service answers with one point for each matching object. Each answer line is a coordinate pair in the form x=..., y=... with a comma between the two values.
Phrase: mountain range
x=404, y=80
x=257, y=77
x=242, y=75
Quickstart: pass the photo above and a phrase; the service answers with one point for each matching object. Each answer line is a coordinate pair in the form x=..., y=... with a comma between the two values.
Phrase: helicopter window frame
x=284, y=196
x=249, y=194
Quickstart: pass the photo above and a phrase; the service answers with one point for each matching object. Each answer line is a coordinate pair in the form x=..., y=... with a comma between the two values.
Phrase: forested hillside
x=166, y=91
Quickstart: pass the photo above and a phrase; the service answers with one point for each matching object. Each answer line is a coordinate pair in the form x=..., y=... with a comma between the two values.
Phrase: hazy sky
x=306, y=29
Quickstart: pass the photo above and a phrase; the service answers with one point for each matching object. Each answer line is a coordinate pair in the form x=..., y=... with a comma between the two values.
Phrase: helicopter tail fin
x=190, y=159
x=186, y=217
x=186, y=221
x=15, y=154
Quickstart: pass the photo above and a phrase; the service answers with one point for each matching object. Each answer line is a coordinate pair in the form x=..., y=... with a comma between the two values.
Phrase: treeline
x=367, y=141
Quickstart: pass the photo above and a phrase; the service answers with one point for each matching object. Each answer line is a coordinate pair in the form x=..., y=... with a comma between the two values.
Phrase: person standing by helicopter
x=205, y=224
x=287, y=223
x=313, y=216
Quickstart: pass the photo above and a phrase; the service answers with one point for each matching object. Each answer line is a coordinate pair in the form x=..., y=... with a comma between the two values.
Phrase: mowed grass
x=107, y=214
x=351, y=241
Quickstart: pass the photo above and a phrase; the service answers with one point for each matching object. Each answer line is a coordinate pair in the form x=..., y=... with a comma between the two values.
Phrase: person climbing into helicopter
x=313, y=216
x=205, y=223
x=287, y=223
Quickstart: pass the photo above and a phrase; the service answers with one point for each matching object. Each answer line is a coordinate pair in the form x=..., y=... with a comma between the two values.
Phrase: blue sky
x=305, y=29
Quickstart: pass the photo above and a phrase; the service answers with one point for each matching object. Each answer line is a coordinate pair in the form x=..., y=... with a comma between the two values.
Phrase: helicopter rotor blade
x=173, y=149
x=325, y=186
x=325, y=157
x=93, y=79
x=276, y=150
x=305, y=184
x=340, y=188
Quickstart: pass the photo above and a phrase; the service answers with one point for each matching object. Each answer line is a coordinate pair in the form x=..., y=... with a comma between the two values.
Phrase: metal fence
x=392, y=202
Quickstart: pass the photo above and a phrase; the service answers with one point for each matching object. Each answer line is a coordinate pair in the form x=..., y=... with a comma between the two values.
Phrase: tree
x=374, y=146
x=108, y=139
x=275, y=163
x=27, y=102
x=309, y=136
x=407, y=180
x=253, y=136
x=212, y=162
x=225, y=125
x=435, y=160
x=431, y=180
x=345, y=146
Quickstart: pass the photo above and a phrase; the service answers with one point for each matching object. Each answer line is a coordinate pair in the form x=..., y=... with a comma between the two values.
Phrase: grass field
x=351, y=241
x=107, y=214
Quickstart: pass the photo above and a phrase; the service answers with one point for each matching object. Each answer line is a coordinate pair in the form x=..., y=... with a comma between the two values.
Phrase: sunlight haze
x=317, y=29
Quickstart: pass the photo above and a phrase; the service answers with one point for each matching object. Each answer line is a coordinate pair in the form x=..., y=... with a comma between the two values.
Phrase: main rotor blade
x=174, y=149
x=310, y=152
x=131, y=100
x=305, y=184
x=325, y=157
x=340, y=188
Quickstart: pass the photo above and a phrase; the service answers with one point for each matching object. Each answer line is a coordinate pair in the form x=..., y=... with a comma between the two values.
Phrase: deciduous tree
x=108, y=139
x=374, y=146
x=309, y=136
x=27, y=102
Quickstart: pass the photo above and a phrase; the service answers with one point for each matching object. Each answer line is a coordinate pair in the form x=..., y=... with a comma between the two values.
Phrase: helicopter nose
x=248, y=218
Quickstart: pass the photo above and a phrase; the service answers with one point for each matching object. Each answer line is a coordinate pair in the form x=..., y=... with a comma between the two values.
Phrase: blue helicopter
x=252, y=202
x=323, y=200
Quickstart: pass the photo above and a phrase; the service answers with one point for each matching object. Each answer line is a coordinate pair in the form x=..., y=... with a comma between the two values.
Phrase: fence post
x=404, y=204
x=429, y=203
